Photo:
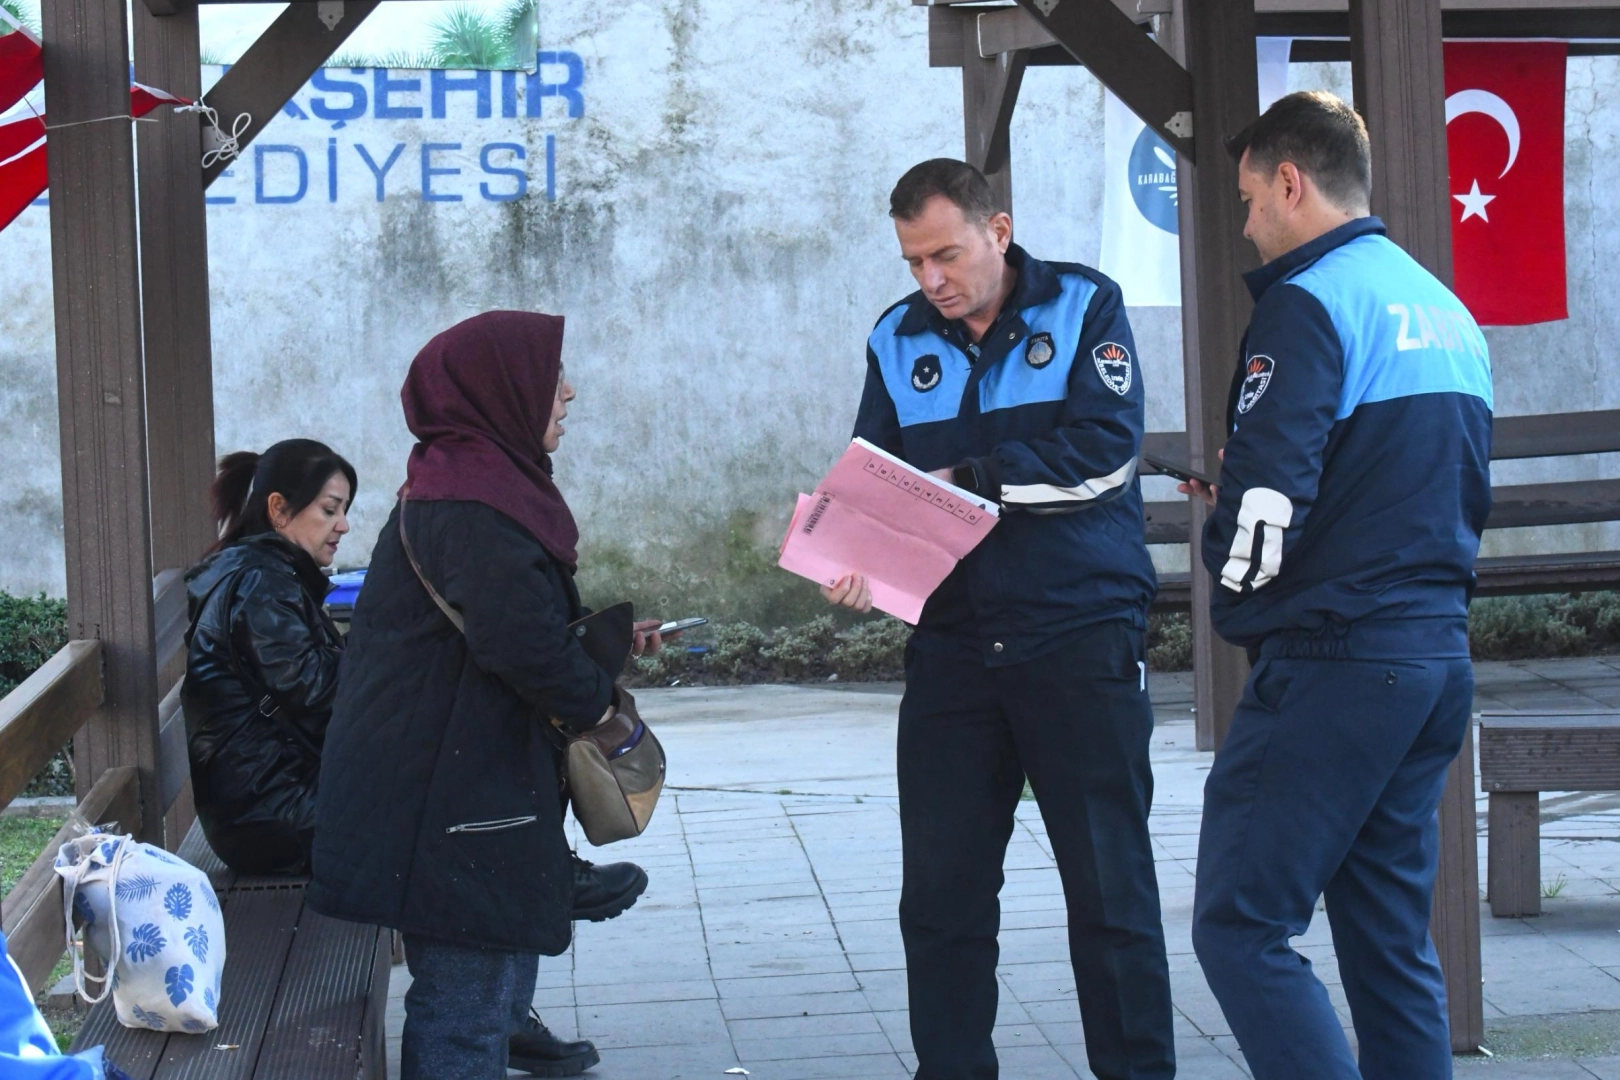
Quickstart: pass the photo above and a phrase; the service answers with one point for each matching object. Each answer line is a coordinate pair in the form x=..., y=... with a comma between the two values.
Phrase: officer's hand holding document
x=878, y=517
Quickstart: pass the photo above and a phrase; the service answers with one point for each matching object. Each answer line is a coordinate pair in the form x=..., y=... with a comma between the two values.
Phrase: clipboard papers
x=875, y=515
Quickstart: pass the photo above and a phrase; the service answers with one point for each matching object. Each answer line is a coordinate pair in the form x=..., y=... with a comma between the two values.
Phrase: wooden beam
x=277, y=65
x=41, y=714
x=101, y=391
x=174, y=300
x=1142, y=10
x=1398, y=70
x=989, y=95
x=1114, y=49
x=1010, y=28
x=1216, y=39
x=1454, y=914
x=174, y=761
x=32, y=916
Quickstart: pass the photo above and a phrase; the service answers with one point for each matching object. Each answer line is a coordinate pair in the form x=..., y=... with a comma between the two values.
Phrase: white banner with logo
x=1140, y=246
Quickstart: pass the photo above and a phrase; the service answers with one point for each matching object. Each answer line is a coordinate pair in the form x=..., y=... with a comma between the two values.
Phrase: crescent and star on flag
x=1486, y=103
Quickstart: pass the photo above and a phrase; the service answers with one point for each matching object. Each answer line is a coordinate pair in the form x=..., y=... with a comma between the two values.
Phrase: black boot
x=603, y=892
x=538, y=1052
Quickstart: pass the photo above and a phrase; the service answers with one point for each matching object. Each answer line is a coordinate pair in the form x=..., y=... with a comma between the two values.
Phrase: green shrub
x=872, y=652
x=801, y=652
x=1169, y=642
x=734, y=654
x=32, y=629
x=1520, y=627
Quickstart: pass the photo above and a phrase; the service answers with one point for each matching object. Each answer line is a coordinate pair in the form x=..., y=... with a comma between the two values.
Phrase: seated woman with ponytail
x=262, y=666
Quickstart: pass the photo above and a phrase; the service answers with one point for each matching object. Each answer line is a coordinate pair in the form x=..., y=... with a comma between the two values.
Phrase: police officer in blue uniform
x=1018, y=380
x=1354, y=486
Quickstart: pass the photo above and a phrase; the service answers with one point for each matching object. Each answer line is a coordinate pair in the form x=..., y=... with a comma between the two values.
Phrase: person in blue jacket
x=1018, y=380
x=1354, y=485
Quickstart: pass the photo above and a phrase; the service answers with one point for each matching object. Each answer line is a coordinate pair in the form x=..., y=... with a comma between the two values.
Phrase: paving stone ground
x=767, y=939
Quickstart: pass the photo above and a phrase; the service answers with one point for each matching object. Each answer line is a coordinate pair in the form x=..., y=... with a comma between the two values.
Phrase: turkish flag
x=1505, y=140
x=23, y=173
x=22, y=62
x=22, y=166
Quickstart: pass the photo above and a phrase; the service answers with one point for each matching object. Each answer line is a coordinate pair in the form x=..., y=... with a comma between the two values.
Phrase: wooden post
x=174, y=307
x=100, y=389
x=989, y=93
x=174, y=310
x=1398, y=68
x=1513, y=869
x=1216, y=40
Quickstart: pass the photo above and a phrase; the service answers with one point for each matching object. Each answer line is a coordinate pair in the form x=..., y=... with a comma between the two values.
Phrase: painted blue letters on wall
x=379, y=173
x=260, y=152
x=354, y=110
x=382, y=86
x=441, y=83
x=522, y=178
x=429, y=172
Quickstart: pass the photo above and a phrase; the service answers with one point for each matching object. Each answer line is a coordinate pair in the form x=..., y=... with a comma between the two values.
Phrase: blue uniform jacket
x=1045, y=416
x=1357, y=476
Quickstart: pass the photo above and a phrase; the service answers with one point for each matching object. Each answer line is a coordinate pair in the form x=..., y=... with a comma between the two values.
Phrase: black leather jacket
x=261, y=673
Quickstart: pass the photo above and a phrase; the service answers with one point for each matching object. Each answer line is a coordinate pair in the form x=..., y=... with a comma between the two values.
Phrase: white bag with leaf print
x=156, y=922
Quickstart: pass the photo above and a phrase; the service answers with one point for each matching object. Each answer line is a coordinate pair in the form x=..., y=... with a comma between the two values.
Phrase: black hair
x=296, y=469
x=956, y=180
x=1322, y=135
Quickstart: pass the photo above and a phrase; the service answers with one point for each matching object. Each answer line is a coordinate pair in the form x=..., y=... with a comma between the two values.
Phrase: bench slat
x=317, y=1026
x=259, y=930
x=1513, y=506
x=1550, y=752
x=1512, y=437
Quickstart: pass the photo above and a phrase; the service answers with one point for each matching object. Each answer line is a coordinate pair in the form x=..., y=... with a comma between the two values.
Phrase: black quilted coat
x=261, y=674
x=439, y=811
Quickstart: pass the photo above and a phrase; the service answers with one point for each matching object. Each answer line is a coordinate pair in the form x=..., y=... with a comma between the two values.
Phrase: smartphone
x=675, y=626
x=1180, y=472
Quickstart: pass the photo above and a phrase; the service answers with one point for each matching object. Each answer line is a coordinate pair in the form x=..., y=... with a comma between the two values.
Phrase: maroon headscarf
x=478, y=399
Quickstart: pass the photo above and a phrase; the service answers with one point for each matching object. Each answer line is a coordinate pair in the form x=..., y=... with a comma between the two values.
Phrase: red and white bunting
x=22, y=63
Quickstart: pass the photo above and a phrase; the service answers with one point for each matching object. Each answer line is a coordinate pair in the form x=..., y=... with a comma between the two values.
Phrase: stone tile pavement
x=767, y=939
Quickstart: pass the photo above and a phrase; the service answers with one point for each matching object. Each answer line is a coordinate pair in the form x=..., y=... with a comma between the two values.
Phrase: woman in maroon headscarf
x=440, y=812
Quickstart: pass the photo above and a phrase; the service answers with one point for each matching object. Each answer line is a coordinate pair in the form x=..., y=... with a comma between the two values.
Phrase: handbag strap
x=405, y=542
x=75, y=941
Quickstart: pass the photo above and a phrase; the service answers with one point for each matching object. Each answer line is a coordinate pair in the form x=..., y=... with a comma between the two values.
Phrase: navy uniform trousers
x=1329, y=785
x=1077, y=722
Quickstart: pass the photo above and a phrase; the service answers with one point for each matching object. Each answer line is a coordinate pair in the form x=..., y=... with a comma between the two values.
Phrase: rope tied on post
x=226, y=146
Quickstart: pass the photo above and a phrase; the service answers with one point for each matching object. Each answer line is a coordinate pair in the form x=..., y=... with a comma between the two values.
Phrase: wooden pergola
x=135, y=376
x=1195, y=82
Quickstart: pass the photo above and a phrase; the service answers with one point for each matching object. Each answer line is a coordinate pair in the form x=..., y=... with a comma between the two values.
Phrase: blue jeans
x=462, y=1007
x=1329, y=785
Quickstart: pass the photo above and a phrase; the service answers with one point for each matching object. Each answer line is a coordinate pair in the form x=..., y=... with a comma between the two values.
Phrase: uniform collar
x=1283, y=266
x=1036, y=284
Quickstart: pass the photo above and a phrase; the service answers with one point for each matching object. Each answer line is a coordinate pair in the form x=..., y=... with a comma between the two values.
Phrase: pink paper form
x=873, y=514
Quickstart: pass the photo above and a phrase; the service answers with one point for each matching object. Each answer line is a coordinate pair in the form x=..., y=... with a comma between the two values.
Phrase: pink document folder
x=873, y=514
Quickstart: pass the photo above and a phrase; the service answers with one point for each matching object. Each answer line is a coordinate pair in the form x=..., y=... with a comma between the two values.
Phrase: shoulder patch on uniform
x=925, y=373
x=1256, y=377
x=1038, y=351
x=1113, y=362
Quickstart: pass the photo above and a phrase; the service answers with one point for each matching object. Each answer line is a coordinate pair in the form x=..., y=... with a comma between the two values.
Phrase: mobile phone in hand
x=1179, y=471
x=675, y=626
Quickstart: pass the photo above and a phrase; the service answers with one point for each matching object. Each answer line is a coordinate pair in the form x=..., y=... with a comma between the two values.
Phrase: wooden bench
x=1520, y=756
x=302, y=999
x=1514, y=506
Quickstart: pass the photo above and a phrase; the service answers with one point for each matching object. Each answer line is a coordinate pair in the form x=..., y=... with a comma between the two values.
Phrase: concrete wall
x=715, y=231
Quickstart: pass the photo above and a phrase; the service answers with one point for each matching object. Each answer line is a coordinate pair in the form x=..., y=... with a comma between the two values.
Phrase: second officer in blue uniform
x=1018, y=380
x=1355, y=484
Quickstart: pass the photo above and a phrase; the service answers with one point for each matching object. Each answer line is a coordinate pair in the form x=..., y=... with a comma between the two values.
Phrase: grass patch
x=21, y=841
x=1565, y=1035
x=1551, y=889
